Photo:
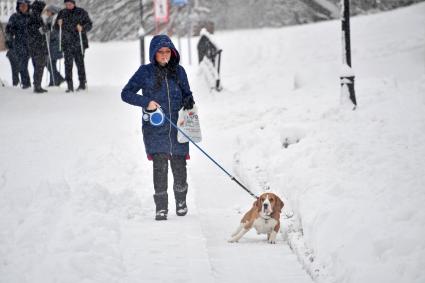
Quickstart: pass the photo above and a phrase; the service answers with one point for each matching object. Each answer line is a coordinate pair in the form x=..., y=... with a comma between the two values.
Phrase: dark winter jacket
x=165, y=85
x=37, y=38
x=70, y=35
x=53, y=36
x=17, y=33
x=54, y=44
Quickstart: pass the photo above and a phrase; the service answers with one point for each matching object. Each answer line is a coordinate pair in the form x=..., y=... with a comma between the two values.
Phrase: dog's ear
x=279, y=204
x=257, y=204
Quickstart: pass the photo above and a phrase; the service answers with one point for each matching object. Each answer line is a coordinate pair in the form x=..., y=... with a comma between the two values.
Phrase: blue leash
x=215, y=162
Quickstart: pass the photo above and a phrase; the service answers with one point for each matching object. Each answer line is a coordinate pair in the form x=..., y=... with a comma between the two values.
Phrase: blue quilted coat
x=166, y=87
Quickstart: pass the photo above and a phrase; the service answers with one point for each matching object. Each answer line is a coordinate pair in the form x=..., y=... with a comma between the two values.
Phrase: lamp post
x=189, y=35
x=142, y=35
x=347, y=75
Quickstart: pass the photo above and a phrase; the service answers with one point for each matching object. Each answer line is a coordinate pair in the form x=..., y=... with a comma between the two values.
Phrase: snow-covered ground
x=76, y=189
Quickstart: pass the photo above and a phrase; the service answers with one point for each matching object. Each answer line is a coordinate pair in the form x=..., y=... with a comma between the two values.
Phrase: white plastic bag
x=188, y=122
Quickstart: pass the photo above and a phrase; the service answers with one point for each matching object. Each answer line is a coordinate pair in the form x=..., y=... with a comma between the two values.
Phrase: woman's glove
x=43, y=30
x=188, y=102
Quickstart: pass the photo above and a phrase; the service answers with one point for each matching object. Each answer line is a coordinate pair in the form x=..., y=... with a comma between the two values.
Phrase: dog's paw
x=272, y=238
x=232, y=240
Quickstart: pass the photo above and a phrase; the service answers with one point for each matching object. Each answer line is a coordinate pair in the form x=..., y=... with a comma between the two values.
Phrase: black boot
x=181, y=208
x=82, y=86
x=180, y=193
x=178, y=166
x=161, y=203
x=70, y=87
x=60, y=80
x=161, y=215
x=160, y=183
x=39, y=89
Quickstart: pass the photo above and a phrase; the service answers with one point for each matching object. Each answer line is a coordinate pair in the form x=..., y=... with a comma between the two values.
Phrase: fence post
x=347, y=75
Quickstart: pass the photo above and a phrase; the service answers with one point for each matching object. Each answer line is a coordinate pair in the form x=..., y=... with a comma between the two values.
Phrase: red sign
x=161, y=11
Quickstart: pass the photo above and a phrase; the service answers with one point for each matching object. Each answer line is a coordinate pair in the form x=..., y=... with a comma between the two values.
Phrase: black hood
x=37, y=7
x=21, y=2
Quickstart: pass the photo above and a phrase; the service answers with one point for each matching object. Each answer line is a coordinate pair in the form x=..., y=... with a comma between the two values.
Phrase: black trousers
x=38, y=62
x=54, y=73
x=23, y=71
x=21, y=62
x=14, y=65
x=70, y=57
x=160, y=178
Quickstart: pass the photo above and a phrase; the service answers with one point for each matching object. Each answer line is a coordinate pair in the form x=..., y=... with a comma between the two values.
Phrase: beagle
x=264, y=216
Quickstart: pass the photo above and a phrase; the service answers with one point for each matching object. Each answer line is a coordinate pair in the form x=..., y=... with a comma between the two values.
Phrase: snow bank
x=353, y=178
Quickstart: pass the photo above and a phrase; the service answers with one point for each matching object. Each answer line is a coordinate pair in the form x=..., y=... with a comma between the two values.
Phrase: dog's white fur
x=264, y=216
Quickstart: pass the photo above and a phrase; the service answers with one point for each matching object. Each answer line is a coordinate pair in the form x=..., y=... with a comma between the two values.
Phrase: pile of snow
x=76, y=190
x=354, y=179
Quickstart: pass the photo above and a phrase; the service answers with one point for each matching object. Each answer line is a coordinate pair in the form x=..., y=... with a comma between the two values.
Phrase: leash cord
x=215, y=162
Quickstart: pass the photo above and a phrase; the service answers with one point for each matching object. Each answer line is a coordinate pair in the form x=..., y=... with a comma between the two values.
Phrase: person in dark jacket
x=164, y=84
x=37, y=44
x=14, y=65
x=74, y=21
x=17, y=35
x=49, y=16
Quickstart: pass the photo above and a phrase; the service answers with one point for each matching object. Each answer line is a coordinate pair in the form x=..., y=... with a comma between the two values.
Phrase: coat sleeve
x=10, y=32
x=137, y=82
x=184, y=83
x=33, y=26
x=86, y=22
x=60, y=16
x=11, y=26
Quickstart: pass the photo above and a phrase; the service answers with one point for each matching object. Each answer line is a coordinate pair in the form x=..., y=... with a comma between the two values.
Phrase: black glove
x=188, y=102
x=9, y=44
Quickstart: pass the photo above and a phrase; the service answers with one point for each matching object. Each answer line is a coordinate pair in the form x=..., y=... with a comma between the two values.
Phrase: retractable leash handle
x=215, y=162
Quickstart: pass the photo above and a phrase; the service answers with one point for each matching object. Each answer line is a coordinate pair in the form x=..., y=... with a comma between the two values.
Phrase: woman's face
x=23, y=8
x=163, y=56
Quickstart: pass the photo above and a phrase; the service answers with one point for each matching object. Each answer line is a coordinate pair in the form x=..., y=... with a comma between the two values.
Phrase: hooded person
x=37, y=44
x=164, y=85
x=74, y=21
x=49, y=16
x=17, y=41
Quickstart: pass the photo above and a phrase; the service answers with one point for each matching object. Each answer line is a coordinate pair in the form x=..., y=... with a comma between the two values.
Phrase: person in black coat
x=17, y=35
x=49, y=16
x=74, y=21
x=37, y=44
x=14, y=65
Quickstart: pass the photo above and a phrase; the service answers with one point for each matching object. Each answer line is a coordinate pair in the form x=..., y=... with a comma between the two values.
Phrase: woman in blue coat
x=164, y=84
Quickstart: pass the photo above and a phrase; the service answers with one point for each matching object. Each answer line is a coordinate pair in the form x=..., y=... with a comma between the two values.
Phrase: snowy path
x=80, y=208
x=76, y=198
x=221, y=203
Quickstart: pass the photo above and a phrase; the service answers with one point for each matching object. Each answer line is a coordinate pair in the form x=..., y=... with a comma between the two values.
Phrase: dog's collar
x=266, y=217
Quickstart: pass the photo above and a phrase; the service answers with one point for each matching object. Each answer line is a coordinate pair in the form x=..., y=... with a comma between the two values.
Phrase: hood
x=52, y=8
x=159, y=41
x=20, y=2
x=37, y=7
